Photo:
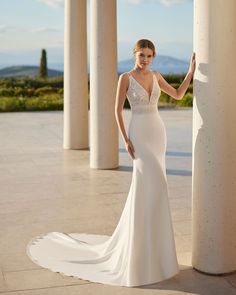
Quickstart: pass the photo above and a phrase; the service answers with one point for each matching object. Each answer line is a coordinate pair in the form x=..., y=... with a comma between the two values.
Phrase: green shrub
x=175, y=85
x=190, y=88
x=32, y=83
x=37, y=94
x=30, y=92
x=164, y=97
x=45, y=90
x=40, y=104
x=18, y=91
x=6, y=91
x=186, y=101
x=14, y=104
x=174, y=78
x=9, y=104
x=61, y=91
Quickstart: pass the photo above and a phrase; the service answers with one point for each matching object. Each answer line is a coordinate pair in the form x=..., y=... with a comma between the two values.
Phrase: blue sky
x=26, y=26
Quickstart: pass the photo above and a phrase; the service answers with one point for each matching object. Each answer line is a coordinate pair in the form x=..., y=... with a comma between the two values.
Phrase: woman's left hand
x=192, y=65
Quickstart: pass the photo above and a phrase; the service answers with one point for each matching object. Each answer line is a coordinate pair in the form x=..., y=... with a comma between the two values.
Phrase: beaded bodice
x=139, y=98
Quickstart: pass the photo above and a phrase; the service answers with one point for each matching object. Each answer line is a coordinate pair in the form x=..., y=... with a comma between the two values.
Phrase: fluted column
x=75, y=76
x=214, y=137
x=103, y=82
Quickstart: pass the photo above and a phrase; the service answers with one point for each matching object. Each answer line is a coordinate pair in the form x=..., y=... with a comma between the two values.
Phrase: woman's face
x=143, y=57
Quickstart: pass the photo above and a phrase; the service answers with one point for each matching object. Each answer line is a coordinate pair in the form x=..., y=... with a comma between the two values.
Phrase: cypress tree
x=43, y=70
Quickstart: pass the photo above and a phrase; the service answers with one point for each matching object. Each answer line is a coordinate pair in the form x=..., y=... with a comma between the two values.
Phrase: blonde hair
x=144, y=43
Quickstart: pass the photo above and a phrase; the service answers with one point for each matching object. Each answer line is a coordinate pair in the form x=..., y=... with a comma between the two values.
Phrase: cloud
x=135, y=2
x=44, y=30
x=164, y=2
x=171, y=2
x=8, y=29
x=53, y=3
x=60, y=3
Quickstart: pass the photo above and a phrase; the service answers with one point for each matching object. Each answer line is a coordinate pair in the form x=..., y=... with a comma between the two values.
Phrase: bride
x=141, y=249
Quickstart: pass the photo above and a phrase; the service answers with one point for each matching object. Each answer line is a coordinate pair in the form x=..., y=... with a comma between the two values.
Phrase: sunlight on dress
x=141, y=249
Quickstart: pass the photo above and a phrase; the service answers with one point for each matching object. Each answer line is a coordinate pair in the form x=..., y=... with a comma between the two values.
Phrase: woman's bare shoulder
x=157, y=74
x=124, y=75
x=124, y=78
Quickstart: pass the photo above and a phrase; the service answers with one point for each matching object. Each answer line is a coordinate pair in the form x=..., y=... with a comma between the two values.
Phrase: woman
x=144, y=52
x=141, y=249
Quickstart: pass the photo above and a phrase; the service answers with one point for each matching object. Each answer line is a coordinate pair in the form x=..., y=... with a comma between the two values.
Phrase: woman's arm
x=122, y=87
x=178, y=93
x=119, y=104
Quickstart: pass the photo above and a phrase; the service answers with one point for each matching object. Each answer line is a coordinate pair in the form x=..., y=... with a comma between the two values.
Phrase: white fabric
x=141, y=249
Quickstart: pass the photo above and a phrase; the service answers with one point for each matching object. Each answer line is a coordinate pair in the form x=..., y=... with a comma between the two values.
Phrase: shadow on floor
x=193, y=282
x=181, y=172
x=178, y=154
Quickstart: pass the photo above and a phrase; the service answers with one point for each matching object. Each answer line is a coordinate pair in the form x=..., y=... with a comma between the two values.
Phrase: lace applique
x=137, y=95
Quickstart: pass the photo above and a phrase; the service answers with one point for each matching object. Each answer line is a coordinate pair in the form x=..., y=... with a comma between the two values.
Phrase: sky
x=27, y=26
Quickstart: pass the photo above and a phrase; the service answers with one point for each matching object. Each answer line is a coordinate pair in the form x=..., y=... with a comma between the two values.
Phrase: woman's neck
x=140, y=70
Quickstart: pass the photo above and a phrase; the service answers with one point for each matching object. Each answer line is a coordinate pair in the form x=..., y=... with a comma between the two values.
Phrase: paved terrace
x=45, y=188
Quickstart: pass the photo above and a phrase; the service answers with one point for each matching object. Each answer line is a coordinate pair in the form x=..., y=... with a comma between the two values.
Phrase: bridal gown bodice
x=141, y=249
x=139, y=98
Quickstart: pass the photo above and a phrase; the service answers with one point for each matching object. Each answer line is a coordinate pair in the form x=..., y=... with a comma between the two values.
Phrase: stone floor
x=45, y=188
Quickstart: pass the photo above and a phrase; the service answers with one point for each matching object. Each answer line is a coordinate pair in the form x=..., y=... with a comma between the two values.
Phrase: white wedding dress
x=141, y=249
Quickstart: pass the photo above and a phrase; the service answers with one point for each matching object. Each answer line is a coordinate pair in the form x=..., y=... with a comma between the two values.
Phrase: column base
x=215, y=274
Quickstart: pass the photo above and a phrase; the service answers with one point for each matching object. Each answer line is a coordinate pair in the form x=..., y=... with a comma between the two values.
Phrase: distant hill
x=26, y=71
x=162, y=63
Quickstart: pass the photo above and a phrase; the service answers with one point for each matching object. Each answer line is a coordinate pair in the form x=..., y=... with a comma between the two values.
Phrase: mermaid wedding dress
x=141, y=249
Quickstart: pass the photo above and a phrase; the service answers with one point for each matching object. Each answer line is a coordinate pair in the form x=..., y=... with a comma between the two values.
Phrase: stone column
x=103, y=83
x=75, y=76
x=214, y=137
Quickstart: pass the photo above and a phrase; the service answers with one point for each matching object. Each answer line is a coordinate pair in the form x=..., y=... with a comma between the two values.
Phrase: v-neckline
x=149, y=96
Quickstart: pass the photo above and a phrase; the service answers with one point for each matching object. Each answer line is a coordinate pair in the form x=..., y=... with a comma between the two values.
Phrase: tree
x=43, y=70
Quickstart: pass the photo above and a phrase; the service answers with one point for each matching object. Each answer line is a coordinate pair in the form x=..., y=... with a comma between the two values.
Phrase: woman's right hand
x=192, y=65
x=129, y=148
